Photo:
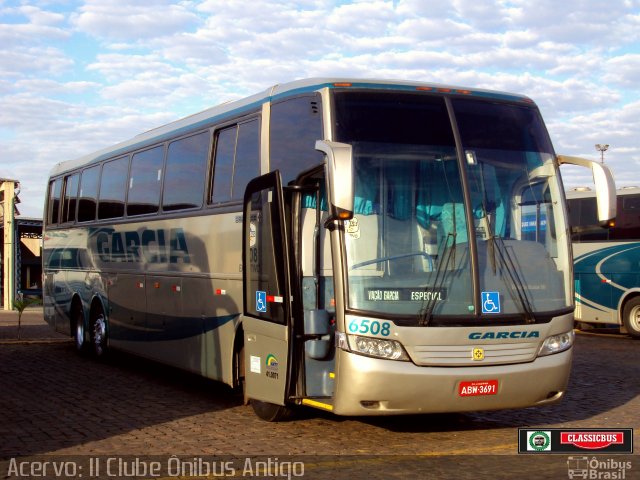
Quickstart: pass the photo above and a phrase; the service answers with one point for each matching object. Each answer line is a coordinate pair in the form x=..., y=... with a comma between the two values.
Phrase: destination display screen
x=405, y=294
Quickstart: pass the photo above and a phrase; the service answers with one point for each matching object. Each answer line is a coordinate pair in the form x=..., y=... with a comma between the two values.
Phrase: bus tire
x=99, y=334
x=271, y=412
x=240, y=383
x=631, y=317
x=78, y=328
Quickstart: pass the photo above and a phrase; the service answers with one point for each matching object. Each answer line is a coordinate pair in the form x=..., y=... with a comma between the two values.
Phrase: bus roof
x=274, y=93
x=587, y=192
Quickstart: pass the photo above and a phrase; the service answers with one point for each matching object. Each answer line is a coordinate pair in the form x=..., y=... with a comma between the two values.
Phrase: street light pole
x=602, y=147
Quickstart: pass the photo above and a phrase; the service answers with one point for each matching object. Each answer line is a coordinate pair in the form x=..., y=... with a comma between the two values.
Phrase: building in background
x=21, y=248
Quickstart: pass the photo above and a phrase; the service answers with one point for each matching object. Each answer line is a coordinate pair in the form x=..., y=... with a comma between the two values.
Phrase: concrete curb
x=34, y=341
x=602, y=333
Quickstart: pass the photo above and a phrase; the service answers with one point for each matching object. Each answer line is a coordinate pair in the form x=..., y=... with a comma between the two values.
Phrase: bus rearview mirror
x=604, y=183
x=339, y=170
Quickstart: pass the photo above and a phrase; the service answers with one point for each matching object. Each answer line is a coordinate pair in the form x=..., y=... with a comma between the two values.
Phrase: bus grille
x=458, y=355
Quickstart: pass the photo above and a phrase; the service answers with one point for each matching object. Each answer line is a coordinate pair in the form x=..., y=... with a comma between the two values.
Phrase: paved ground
x=54, y=402
x=32, y=327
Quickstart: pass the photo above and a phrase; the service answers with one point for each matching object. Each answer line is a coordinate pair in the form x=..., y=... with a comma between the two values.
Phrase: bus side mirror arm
x=605, y=185
x=339, y=171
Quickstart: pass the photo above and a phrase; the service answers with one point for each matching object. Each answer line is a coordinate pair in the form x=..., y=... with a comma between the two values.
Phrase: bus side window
x=113, y=188
x=225, y=145
x=70, y=198
x=295, y=126
x=185, y=172
x=584, y=220
x=144, y=181
x=88, y=195
x=247, y=161
x=55, y=189
x=236, y=161
x=627, y=225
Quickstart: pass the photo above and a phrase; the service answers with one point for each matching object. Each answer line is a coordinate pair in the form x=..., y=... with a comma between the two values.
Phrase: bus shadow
x=51, y=400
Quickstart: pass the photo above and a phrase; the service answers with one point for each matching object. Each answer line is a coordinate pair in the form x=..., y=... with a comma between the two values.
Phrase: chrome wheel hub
x=634, y=318
x=99, y=334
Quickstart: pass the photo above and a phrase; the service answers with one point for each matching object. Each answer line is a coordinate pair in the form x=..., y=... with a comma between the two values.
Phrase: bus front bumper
x=371, y=386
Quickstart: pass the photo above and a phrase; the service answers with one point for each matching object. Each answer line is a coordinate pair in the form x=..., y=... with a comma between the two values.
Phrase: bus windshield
x=429, y=219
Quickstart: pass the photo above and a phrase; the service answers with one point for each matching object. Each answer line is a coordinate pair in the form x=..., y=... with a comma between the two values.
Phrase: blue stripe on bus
x=173, y=328
x=621, y=268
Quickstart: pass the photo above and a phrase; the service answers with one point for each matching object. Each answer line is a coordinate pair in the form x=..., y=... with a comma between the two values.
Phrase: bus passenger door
x=266, y=299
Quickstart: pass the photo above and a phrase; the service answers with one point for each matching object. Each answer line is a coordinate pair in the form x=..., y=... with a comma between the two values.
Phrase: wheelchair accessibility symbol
x=490, y=302
x=261, y=301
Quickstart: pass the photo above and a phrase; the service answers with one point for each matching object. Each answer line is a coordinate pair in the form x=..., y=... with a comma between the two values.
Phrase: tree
x=20, y=305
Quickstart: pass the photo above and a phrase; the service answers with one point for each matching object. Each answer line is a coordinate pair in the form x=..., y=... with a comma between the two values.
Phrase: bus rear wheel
x=99, y=335
x=631, y=317
x=270, y=411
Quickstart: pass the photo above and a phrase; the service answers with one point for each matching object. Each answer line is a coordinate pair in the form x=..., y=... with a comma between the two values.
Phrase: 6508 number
x=374, y=327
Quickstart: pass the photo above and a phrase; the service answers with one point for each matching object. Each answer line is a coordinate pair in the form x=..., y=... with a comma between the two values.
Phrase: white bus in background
x=606, y=260
x=351, y=245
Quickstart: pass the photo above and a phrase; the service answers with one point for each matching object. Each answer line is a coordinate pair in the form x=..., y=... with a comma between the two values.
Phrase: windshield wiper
x=509, y=265
x=497, y=245
x=447, y=254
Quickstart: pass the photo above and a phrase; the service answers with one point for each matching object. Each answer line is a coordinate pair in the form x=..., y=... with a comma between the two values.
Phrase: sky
x=77, y=76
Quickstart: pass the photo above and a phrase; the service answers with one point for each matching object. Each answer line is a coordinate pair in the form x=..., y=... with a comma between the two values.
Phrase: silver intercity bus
x=358, y=246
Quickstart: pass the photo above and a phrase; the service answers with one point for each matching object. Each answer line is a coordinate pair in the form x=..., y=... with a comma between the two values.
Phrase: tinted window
x=88, y=194
x=392, y=118
x=583, y=219
x=55, y=189
x=247, y=162
x=185, y=172
x=223, y=166
x=295, y=126
x=236, y=161
x=70, y=198
x=113, y=188
x=145, y=181
x=627, y=225
x=496, y=126
x=631, y=203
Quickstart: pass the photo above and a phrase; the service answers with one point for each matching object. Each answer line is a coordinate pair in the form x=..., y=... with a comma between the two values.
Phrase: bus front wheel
x=270, y=411
x=631, y=317
x=78, y=331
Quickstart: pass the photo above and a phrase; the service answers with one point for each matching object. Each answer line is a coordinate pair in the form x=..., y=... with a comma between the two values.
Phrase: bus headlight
x=378, y=347
x=557, y=343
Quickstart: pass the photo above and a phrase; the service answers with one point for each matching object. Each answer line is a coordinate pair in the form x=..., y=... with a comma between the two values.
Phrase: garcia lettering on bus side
x=150, y=246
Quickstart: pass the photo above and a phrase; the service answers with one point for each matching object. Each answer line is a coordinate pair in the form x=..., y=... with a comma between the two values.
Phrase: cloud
x=617, y=127
x=41, y=17
x=30, y=25
x=623, y=71
x=117, y=67
x=23, y=61
x=122, y=20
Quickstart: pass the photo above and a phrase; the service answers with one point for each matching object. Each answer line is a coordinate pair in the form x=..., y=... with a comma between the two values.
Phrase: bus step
x=321, y=403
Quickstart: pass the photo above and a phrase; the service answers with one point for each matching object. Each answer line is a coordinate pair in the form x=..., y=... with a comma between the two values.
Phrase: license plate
x=478, y=387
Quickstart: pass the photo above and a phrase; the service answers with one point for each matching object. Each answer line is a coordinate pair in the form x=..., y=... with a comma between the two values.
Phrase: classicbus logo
x=592, y=440
x=150, y=246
